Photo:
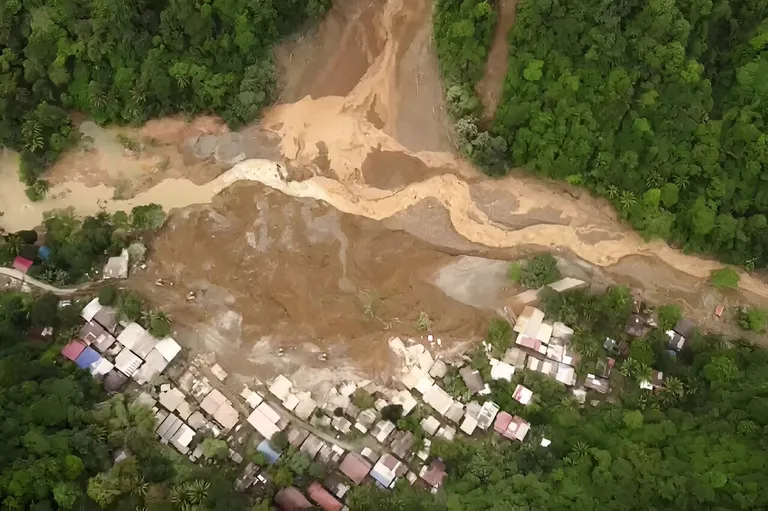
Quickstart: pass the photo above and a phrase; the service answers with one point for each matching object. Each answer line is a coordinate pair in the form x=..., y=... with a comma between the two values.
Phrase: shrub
x=392, y=412
x=539, y=271
x=108, y=295
x=669, y=315
x=753, y=318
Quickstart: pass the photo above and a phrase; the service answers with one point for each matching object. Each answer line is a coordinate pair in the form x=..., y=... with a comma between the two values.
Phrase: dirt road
x=323, y=227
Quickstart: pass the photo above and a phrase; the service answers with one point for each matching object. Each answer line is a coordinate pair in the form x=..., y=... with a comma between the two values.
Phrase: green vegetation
x=79, y=246
x=669, y=315
x=752, y=318
x=125, y=62
x=696, y=443
x=463, y=32
x=423, y=323
x=539, y=271
x=61, y=433
x=724, y=278
x=660, y=107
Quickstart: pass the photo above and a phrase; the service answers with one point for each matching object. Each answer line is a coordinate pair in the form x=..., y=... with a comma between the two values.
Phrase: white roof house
x=406, y=400
x=213, y=401
x=291, y=401
x=269, y=412
x=487, y=414
x=136, y=339
x=183, y=438
x=430, y=425
x=424, y=384
x=171, y=398
x=226, y=415
x=523, y=395
x=384, y=472
x=116, y=267
x=438, y=399
x=101, y=367
x=154, y=364
x=305, y=408
x=545, y=333
x=281, y=387
x=264, y=426
x=90, y=310
x=382, y=430
x=168, y=348
x=501, y=370
x=469, y=425
x=252, y=398
x=127, y=362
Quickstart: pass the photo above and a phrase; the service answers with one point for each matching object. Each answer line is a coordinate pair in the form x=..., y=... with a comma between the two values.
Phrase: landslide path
x=362, y=130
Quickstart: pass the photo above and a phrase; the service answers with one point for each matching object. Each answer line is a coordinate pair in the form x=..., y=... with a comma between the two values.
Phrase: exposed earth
x=334, y=222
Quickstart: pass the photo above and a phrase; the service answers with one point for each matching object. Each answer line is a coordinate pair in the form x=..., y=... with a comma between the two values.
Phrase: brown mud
x=329, y=225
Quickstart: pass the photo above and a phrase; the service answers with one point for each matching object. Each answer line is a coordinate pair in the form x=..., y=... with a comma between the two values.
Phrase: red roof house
x=73, y=349
x=22, y=264
x=355, y=467
x=502, y=422
x=291, y=499
x=323, y=497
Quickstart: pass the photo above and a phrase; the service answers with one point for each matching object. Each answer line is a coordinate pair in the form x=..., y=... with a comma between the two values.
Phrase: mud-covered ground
x=332, y=223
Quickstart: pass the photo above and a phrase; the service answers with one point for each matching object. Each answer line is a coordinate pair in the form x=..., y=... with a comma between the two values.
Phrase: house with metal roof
x=355, y=467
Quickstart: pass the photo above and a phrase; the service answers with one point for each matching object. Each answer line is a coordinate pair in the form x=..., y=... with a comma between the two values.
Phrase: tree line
x=658, y=106
x=125, y=61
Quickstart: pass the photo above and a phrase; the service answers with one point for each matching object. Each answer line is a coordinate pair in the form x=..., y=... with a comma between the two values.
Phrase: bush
x=392, y=412
x=363, y=399
x=108, y=295
x=724, y=278
x=279, y=441
x=131, y=306
x=753, y=318
x=669, y=315
x=159, y=325
x=539, y=271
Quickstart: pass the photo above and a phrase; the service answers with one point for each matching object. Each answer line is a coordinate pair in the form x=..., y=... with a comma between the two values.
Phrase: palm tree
x=681, y=182
x=627, y=200
x=612, y=192
x=673, y=391
x=179, y=495
x=652, y=180
x=580, y=450
x=198, y=491
x=33, y=136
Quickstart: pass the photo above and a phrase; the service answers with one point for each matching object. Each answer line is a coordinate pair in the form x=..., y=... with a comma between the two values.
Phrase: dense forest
x=128, y=60
x=660, y=106
x=696, y=443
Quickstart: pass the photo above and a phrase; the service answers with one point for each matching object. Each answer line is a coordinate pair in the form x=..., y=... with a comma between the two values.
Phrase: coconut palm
x=612, y=192
x=653, y=179
x=179, y=495
x=580, y=450
x=627, y=200
x=673, y=392
x=681, y=182
x=197, y=491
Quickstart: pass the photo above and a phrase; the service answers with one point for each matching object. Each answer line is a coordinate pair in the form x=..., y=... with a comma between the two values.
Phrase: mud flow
x=346, y=212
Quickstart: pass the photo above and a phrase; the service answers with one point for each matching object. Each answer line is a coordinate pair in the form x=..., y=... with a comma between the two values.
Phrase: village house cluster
x=350, y=431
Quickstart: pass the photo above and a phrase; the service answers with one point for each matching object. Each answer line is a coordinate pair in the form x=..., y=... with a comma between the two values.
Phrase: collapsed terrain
x=357, y=204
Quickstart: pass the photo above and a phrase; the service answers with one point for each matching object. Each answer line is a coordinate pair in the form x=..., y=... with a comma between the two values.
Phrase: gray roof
x=472, y=379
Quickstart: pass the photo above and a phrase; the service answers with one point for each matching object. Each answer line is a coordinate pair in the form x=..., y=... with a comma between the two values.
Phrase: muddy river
x=328, y=226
